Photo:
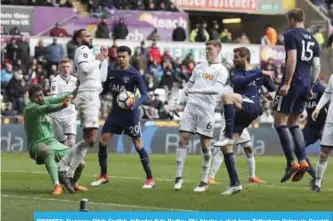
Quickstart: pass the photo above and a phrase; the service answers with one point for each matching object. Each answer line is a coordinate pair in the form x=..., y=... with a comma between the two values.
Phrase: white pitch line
x=172, y=180
x=95, y=203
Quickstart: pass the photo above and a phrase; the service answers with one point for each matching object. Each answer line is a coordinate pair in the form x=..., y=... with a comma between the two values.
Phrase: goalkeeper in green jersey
x=42, y=145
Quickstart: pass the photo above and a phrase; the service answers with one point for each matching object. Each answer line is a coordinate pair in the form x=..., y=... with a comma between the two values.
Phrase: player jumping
x=207, y=81
x=91, y=72
x=42, y=145
x=241, y=108
x=302, y=69
x=246, y=142
x=119, y=120
x=64, y=121
x=327, y=138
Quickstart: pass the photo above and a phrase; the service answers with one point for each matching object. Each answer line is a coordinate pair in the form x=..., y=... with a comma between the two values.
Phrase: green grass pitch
x=25, y=188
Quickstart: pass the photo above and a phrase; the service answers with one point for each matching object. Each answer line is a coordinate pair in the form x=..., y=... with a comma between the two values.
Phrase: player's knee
x=137, y=142
x=227, y=149
x=43, y=151
x=71, y=142
x=82, y=164
x=226, y=98
x=105, y=138
x=184, y=140
x=247, y=149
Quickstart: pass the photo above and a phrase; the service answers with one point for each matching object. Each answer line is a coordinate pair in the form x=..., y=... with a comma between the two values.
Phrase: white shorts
x=63, y=127
x=327, y=138
x=88, y=105
x=244, y=139
x=195, y=120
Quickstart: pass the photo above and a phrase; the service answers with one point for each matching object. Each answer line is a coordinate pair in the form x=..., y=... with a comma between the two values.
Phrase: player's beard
x=88, y=44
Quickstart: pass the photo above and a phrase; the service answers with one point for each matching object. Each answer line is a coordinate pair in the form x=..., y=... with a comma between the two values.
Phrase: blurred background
x=167, y=38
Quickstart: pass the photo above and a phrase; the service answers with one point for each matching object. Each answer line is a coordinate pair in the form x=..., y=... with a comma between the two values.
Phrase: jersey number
x=209, y=126
x=307, y=50
x=135, y=129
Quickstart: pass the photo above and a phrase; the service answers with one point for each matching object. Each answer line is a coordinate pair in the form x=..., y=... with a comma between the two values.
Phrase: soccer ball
x=125, y=100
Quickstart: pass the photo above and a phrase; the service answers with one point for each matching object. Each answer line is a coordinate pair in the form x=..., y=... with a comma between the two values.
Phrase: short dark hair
x=77, y=34
x=243, y=52
x=124, y=48
x=296, y=14
x=215, y=43
x=33, y=88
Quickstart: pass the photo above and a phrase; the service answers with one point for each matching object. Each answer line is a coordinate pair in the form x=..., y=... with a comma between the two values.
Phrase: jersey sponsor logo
x=118, y=88
x=311, y=104
x=206, y=76
x=126, y=80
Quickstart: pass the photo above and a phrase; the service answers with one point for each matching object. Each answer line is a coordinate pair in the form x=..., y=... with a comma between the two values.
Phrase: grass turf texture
x=25, y=188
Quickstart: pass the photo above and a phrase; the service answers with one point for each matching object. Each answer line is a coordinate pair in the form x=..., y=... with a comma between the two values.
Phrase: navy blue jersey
x=129, y=80
x=311, y=104
x=249, y=83
x=307, y=48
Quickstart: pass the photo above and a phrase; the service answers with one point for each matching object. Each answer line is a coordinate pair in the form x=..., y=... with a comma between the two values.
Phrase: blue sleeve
x=269, y=84
x=241, y=80
x=289, y=41
x=143, y=91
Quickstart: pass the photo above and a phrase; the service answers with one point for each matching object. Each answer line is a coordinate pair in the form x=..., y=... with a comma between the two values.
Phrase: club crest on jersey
x=126, y=80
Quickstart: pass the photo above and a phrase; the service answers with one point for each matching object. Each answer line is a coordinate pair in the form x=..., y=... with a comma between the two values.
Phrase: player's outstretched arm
x=59, y=99
x=240, y=80
x=269, y=84
x=51, y=108
x=143, y=91
x=326, y=96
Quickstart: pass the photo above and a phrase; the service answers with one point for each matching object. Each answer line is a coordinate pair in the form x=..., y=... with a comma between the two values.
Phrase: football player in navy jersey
x=241, y=108
x=302, y=69
x=129, y=79
x=313, y=130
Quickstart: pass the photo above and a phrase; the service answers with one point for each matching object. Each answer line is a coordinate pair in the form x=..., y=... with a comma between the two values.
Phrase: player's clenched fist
x=315, y=114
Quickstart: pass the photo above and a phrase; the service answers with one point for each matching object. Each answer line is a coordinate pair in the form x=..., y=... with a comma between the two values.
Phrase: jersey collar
x=67, y=80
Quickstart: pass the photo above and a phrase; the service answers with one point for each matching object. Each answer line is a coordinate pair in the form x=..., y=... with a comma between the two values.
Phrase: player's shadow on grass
x=25, y=191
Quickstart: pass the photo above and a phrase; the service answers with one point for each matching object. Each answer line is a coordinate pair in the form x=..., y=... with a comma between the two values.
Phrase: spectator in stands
x=154, y=53
x=54, y=53
x=24, y=51
x=139, y=61
x=225, y=36
x=71, y=46
x=199, y=34
x=329, y=43
x=120, y=30
x=168, y=76
x=179, y=33
x=112, y=53
x=15, y=31
x=3, y=30
x=6, y=73
x=58, y=31
x=40, y=49
x=8, y=112
x=156, y=69
x=67, y=4
x=12, y=50
x=154, y=35
x=15, y=91
x=243, y=39
x=102, y=29
x=271, y=34
x=215, y=31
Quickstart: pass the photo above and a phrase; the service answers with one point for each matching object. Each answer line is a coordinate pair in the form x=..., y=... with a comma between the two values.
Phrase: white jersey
x=59, y=87
x=205, y=75
x=328, y=94
x=88, y=81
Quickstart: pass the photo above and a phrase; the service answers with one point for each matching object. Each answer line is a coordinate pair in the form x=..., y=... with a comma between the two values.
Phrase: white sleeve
x=54, y=87
x=326, y=96
x=104, y=70
x=85, y=61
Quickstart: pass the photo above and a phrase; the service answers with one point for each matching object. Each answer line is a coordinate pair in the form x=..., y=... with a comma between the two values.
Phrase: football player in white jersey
x=91, y=71
x=64, y=121
x=206, y=83
x=326, y=142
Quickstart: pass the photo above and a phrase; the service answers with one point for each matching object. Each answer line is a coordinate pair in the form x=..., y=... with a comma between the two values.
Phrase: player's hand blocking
x=315, y=114
x=100, y=57
x=268, y=74
x=66, y=102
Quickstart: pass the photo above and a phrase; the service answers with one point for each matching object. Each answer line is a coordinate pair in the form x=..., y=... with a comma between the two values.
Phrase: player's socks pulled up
x=51, y=166
x=229, y=160
x=145, y=162
x=229, y=114
x=206, y=163
x=286, y=142
x=181, y=154
x=299, y=142
x=103, y=158
x=321, y=167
